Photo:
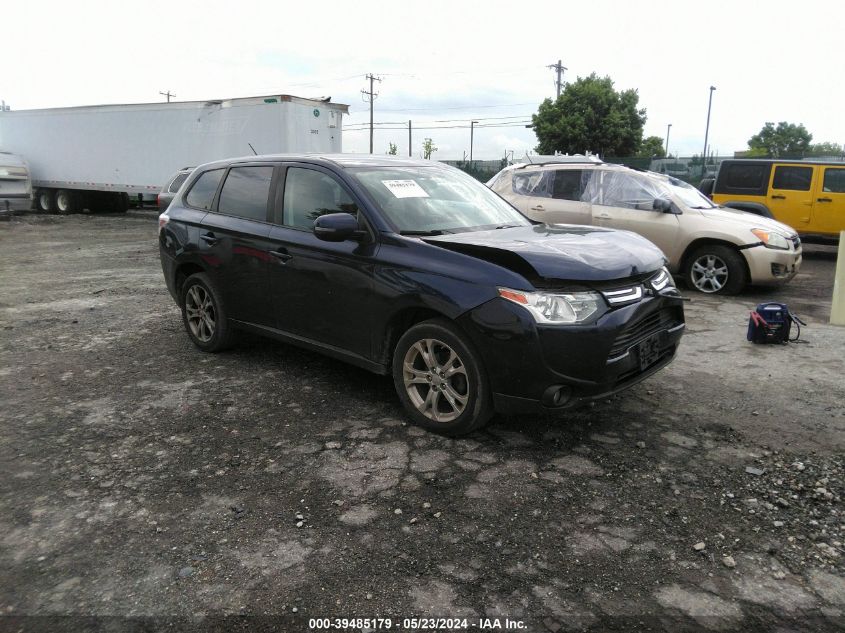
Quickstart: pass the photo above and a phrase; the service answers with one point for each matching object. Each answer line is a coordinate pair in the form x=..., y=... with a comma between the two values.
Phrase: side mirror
x=662, y=205
x=336, y=227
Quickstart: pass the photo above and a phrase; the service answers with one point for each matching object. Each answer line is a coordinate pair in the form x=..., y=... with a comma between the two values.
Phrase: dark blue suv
x=414, y=269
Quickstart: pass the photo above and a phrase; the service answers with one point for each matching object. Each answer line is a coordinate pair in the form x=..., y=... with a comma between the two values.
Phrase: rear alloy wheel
x=65, y=201
x=440, y=380
x=46, y=201
x=204, y=315
x=716, y=269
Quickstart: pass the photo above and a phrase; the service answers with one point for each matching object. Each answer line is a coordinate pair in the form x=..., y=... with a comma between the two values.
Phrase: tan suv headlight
x=563, y=308
x=772, y=239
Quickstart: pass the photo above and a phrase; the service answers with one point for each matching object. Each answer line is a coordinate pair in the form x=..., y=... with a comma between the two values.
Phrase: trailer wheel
x=45, y=200
x=66, y=201
x=121, y=202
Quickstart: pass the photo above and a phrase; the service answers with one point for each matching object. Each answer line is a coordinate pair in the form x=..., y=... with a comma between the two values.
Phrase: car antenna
x=252, y=148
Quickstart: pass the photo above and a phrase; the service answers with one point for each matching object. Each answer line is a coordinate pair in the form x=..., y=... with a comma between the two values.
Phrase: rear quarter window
x=178, y=182
x=201, y=195
x=747, y=179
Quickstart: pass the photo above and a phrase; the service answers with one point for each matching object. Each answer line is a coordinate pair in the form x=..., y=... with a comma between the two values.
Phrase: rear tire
x=716, y=269
x=45, y=200
x=441, y=380
x=66, y=201
x=204, y=315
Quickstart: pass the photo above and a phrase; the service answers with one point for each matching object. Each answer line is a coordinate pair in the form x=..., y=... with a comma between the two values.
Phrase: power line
x=477, y=119
x=467, y=107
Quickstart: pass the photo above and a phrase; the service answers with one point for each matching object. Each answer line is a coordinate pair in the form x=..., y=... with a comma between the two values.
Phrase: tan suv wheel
x=716, y=269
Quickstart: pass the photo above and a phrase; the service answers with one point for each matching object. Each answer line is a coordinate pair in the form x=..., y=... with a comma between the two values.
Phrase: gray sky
x=444, y=61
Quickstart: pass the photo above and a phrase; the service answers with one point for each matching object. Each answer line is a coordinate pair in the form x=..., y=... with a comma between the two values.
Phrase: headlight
x=662, y=279
x=772, y=239
x=571, y=307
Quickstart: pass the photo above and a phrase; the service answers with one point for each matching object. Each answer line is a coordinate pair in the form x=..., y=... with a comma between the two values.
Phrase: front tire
x=204, y=314
x=716, y=269
x=441, y=380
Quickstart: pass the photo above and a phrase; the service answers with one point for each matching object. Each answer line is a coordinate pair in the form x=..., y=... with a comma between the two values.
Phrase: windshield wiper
x=432, y=232
x=508, y=226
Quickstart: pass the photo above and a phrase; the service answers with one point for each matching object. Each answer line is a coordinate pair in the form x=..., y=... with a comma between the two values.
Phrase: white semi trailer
x=95, y=157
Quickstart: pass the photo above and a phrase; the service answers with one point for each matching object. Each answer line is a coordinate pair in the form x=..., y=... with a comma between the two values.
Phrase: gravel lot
x=149, y=483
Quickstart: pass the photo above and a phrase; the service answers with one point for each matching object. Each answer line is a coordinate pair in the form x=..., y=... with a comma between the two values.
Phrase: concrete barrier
x=837, y=307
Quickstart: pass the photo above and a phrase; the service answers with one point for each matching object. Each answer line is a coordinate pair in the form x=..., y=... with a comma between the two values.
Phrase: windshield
x=688, y=194
x=432, y=200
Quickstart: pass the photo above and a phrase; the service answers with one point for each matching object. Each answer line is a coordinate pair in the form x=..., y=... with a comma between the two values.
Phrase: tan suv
x=717, y=250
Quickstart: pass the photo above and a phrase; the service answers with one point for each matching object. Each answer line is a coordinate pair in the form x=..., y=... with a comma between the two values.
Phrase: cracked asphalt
x=146, y=485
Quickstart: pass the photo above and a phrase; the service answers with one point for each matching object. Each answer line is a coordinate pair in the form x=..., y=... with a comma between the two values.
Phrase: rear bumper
x=16, y=203
x=532, y=368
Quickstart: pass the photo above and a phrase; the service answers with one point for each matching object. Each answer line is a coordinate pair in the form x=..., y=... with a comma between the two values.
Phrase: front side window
x=310, y=194
x=834, y=180
x=202, y=192
x=620, y=189
x=792, y=178
x=431, y=200
x=533, y=183
x=245, y=192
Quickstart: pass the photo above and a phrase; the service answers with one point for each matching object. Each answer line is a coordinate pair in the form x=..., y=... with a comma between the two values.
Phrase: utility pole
x=668, y=129
x=559, y=67
x=706, y=134
x=471, y=134
x=410, y=143
x=371, y=96
x=167, y=94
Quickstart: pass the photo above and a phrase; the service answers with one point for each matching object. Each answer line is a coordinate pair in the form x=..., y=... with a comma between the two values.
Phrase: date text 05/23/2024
x=417, y=624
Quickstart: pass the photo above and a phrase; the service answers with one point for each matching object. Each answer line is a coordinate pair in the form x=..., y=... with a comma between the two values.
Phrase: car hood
x=746, y=220
x=559, y=252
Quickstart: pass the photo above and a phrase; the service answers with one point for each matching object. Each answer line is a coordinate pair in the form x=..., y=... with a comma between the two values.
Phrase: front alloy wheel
x=716, y=269
x=709, y=273
x=435, y=380
x=441, y=379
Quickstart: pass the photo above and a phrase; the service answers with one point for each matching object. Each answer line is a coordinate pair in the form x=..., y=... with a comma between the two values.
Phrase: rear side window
x=178, y=182
x=534, y=183
x=792, y=178
x=310, y=194
x=744, y=176
x=569, y=184
x=245, y=193
x=834, y=180
x=202, y=192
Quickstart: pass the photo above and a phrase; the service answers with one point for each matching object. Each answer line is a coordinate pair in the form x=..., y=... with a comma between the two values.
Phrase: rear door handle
x=825, y=199
x=209, y=239
x=539, y=207
x=778, y=197
x=282, y=256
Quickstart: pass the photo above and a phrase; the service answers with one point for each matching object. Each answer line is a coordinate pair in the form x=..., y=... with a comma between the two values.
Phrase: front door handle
x=825, y=199
x=209, y=239
x=282, y=256
x=778, y=197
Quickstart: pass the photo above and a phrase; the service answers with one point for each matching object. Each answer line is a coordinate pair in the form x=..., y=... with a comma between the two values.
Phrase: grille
x=639, y=330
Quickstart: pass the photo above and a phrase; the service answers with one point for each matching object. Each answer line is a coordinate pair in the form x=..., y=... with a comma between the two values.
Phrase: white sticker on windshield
x=405, y=188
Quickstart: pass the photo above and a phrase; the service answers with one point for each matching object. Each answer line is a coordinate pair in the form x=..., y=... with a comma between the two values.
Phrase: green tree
x=392, y=149
x=787, y=140
x=428, y=148
x=591, y=116
x=826, y=149
x=652, y=147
